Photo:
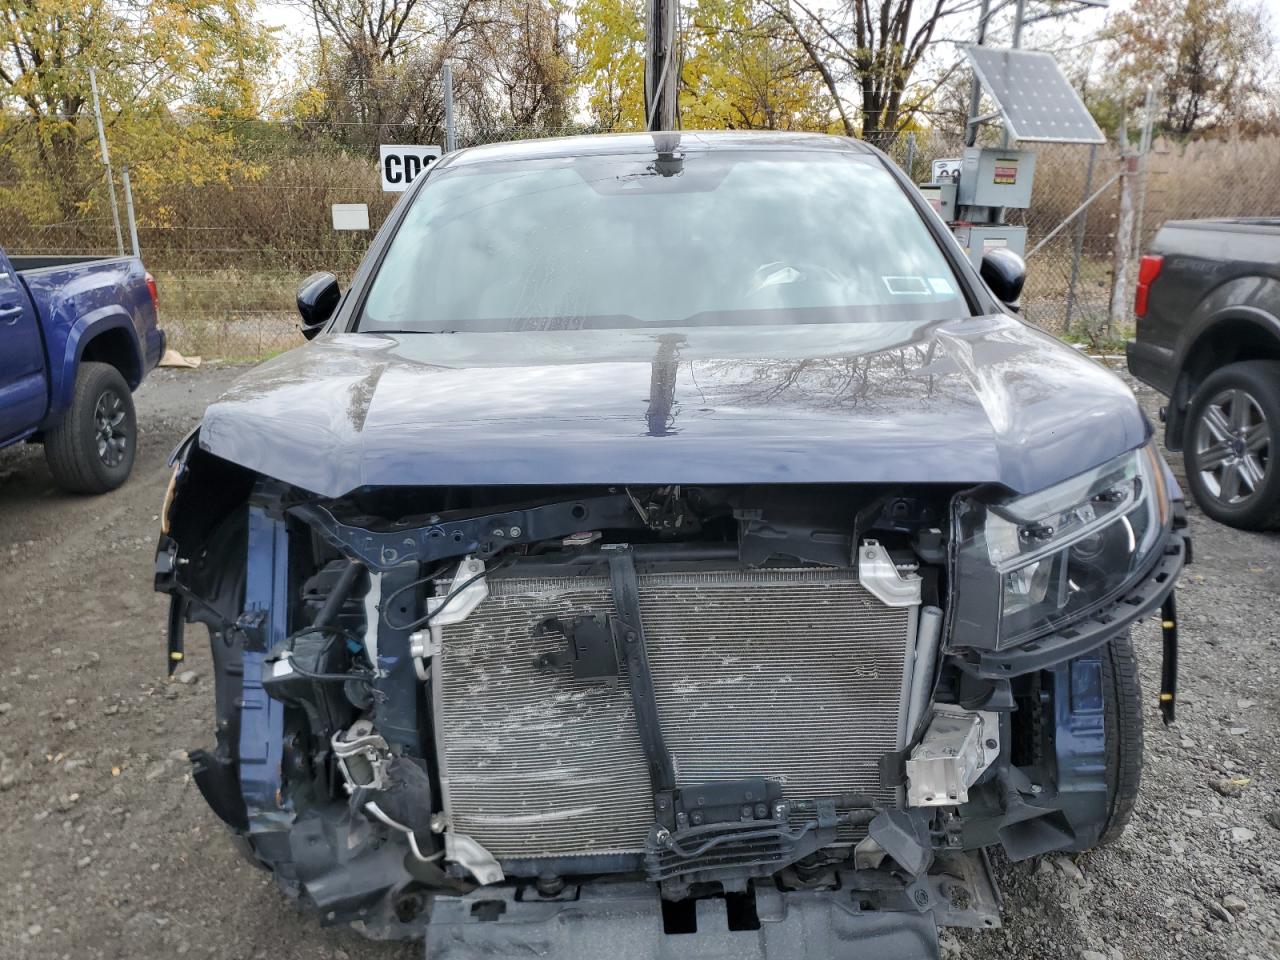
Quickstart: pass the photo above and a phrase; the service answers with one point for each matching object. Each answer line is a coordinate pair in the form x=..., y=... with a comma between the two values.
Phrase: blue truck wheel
x=91, y=449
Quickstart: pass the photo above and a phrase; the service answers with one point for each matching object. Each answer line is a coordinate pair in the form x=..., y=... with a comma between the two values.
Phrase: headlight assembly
x=1028, y=566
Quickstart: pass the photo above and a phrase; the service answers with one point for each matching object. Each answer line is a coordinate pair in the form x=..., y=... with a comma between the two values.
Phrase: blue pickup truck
x=77, y=335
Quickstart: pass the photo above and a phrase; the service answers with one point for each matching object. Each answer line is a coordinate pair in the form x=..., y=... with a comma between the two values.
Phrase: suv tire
x=1231, y=444
x=91, y=449
x=1122, y=733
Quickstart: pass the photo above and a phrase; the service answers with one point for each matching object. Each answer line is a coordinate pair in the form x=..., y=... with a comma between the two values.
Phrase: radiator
x=797, y=675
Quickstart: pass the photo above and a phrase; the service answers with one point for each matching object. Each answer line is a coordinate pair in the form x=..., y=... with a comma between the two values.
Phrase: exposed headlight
x=1030, y=565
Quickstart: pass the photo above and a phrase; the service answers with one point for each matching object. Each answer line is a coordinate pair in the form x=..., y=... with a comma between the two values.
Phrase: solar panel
x=1034, y=98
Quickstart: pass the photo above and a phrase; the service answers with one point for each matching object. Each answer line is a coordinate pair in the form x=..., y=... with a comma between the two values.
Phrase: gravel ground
x=109, y=851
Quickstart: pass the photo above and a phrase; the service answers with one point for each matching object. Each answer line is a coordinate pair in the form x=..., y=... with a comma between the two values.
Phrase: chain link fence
x=229, y=250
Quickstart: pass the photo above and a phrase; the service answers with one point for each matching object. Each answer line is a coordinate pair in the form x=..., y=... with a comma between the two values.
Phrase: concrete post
x=450, y=136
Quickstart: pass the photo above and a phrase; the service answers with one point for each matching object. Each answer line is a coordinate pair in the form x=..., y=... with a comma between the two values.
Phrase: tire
x=1122, y=733
x=91, y=449
x=1231, y=445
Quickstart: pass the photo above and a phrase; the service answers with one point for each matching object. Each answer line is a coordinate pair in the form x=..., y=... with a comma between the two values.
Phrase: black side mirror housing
x=318, y=297
x=1005, y=273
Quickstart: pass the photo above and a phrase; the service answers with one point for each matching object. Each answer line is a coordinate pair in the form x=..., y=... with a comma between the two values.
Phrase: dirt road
x=107, y=849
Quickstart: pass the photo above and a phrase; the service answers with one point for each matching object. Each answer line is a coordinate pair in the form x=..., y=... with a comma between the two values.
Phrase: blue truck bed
x=70, y=327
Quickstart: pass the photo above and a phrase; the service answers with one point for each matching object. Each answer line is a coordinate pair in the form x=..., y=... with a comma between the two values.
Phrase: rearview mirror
x=1005, y=273
x=318, y=297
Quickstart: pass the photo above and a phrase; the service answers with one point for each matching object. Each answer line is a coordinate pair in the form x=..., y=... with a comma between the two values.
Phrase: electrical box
x=978, y=239
x=994, y=177
x=942, y=197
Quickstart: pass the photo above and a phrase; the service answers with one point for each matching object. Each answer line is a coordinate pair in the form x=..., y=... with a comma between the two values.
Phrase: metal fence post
x=911, y=155
x=450, y=138
x=128, y=208
x=106, y=159
x=975, y=86
x=1078, y=247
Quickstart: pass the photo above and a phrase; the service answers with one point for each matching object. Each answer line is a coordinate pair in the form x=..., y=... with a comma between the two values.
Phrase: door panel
x=23, y=395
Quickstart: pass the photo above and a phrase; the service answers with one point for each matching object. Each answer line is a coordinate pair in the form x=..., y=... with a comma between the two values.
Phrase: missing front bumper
x=853, y=915
x=627, y=921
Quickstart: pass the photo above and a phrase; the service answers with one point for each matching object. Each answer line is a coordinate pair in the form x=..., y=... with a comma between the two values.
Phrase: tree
x=1211, y=61
x=876, y=46
x=517, y=72
x=741, y=68
x=610, y=45
x=171, y=73
x=379, y=64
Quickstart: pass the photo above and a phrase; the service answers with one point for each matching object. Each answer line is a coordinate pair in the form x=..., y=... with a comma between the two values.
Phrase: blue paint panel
x=365, y=409
x=1080, y=734
x=396, y=715
x=23, y=395
x=262, y=718
x=77, y=302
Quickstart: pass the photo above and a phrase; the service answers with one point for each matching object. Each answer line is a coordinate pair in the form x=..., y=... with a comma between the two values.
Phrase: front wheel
x=1231, y=441
x=91, y=449
x=1122, y=734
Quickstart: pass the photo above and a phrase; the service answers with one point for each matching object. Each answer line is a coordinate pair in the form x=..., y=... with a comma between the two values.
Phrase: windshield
x=635, y=242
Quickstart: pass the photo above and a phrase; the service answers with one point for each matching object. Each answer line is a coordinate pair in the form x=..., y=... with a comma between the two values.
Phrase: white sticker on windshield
x=942, y=286
x=906, y=286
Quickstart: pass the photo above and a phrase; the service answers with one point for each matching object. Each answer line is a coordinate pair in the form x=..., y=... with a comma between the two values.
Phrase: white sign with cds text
x=400, y=164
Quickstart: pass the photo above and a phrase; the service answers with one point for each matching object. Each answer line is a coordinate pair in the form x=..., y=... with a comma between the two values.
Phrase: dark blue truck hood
x=984, y=399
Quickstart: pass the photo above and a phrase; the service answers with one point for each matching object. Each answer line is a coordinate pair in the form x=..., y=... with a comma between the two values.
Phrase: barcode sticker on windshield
x=906, y=285
x=941, y=286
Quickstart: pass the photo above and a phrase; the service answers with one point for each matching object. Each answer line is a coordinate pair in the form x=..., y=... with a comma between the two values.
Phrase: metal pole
x=450, y=137
x=975, y=88
x=128, y=208
x=106, y=159
x=1019, y=14
x=1078, y=246
x=911, y=154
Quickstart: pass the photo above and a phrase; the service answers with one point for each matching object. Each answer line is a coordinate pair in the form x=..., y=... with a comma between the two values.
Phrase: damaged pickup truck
x=669, y=541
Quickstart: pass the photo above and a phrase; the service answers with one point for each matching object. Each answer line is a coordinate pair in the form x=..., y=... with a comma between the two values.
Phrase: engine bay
x=520, y=695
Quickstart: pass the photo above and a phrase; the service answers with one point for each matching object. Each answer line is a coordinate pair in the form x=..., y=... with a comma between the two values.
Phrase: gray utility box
x=996, y=178
x=977, y=239
x=942, y=197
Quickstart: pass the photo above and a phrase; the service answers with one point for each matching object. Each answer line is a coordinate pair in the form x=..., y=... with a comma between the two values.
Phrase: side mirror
x=1005, y=273
x=318, y=297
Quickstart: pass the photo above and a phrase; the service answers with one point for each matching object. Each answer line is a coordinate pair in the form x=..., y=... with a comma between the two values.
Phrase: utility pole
x=662, y=65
